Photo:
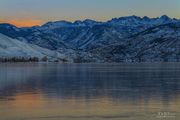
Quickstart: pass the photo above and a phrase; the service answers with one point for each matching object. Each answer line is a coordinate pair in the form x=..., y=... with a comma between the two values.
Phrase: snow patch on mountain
x=14, y=48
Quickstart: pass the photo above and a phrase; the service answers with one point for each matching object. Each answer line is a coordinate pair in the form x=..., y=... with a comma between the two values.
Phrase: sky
x=37, y=12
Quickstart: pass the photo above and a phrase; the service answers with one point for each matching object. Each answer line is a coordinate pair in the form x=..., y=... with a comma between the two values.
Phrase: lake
x=52, y=91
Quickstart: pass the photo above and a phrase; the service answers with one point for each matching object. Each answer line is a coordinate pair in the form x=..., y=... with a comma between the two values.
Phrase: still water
x=40, y=91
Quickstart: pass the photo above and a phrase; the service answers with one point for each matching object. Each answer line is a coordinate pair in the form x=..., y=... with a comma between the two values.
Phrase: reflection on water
x=89, y=91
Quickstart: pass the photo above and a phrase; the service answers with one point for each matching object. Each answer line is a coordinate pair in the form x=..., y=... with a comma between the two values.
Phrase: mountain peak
x=165, y=17
x=57, y=24
x=146, y=18
x=7, y=25
x=130, y=17
x=86, y=22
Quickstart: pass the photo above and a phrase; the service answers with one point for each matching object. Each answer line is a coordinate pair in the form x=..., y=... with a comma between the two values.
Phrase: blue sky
x=41, y=11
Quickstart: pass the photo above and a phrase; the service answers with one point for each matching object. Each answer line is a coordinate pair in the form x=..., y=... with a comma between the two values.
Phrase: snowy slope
x=160, y=43
x=14, y=48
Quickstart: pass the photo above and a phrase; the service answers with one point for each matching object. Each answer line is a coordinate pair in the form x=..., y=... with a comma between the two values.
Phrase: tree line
x=19, y=59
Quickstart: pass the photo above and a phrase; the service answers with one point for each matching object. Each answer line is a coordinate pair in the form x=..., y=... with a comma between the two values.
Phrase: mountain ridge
x=86, y=40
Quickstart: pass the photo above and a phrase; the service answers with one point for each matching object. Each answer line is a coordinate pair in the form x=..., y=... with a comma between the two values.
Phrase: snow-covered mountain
x=160, y=43
x=86, y=35
x=14, y=48
x=119, y=39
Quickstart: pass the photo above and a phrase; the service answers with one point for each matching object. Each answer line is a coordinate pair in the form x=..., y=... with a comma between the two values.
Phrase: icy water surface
x=40, y=91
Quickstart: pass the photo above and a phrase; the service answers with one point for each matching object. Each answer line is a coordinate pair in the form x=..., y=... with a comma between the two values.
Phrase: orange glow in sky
x=23, y=23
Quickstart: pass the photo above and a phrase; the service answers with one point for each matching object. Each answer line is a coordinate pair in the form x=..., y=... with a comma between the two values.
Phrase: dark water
x=89, y=91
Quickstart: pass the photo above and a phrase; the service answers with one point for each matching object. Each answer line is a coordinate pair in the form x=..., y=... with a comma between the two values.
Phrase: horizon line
x=13, y=22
